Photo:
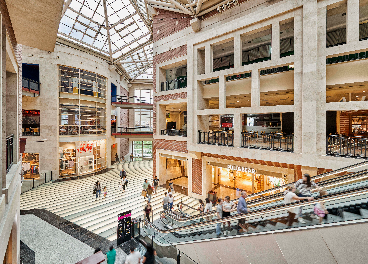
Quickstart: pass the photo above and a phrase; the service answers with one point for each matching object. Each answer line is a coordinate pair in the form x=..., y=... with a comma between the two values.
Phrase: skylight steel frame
x=120, y=30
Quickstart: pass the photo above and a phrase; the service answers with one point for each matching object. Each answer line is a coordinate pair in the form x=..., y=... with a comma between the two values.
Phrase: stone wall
x=124, y=122
x=197, y=176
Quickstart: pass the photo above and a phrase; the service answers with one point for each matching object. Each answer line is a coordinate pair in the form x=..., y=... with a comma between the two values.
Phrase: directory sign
x=124, y=227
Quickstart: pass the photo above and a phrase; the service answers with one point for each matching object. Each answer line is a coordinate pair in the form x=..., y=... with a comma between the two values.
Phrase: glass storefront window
x=30, y=122
x=77, y=81
x=30, y=165
x=142, y=149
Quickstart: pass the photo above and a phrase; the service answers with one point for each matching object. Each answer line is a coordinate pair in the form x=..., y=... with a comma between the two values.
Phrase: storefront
x=82, y=157
x=30, y=165
x=174, y=169
x=232, y=179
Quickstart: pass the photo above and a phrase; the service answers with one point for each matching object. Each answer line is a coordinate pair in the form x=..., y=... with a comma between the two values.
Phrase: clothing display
x=30, y=165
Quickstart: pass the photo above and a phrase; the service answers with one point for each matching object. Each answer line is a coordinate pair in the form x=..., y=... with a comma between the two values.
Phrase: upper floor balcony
x=129, y=132
x=133, y=102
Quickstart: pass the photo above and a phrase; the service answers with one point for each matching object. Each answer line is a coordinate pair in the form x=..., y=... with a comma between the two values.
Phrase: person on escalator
x=201, y=209
x=291, y=197
x=208, y=209
x=242, y=209
x=319, y=208
x=219, y=216
x=227, y=206
x=304, y=187
x=147, y=211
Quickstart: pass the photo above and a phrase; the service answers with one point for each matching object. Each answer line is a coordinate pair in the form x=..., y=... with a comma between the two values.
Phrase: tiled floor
x=51, y=245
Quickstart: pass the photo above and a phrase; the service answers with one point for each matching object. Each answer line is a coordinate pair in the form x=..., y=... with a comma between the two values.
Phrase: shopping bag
x=144, y=193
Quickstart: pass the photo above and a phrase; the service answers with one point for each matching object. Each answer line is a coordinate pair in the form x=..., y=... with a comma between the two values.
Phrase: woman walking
x=98, y=189
x=208, y=208
x=304, y=187
x=147, y=211
x=201, y=209
x=149, y=192
x=124, y=183
x=171, y=202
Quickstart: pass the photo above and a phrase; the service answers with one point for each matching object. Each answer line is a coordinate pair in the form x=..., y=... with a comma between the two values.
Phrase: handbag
x=144, y=193
x=94, y=191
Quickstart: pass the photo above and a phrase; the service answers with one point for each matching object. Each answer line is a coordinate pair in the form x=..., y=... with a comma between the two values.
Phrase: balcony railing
x=174, y=132
x=9, y=151
x=132, y=130
x=73, y=130
x=219, y=138
x=349, y=147
x=178, y=83
x=30, y=85
x=126, y=99
x=270, y=141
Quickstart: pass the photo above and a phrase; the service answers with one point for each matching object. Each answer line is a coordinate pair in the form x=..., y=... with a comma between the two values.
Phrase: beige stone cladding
x=309, y=75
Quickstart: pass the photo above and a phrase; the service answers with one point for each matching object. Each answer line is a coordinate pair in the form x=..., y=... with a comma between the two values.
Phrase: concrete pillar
x=309, y=85
x=352, y=21
x=237, y=51
x=3, y=105
x=12, y=110
x=222, y=91
x=298, y=80
x=237, y=130
x=208, y=58
x=160, y=118
x=275, y=41
x=255, y=92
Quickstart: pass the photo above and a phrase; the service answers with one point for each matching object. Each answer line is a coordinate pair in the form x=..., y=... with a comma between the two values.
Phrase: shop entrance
x=30, y=165
x=231, y=180
x=175, y=170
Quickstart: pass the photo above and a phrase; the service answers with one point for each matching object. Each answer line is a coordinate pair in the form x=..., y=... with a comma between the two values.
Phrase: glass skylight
x=120, y=29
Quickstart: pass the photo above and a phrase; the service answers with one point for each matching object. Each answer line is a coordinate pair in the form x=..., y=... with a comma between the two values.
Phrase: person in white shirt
x=208, y=208
x=227, y=206
x=134, y=257
x=291, y=197
x=171, y=202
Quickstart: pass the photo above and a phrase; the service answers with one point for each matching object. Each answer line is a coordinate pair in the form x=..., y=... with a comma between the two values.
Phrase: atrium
x=184, y=131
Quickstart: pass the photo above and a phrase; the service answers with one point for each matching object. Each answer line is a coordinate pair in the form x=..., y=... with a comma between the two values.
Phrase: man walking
x=165, y=202
x=155, y=183
x=242, y=209
x=145, y=186
x=111, y=255
x=134, y=257
x=219, y=216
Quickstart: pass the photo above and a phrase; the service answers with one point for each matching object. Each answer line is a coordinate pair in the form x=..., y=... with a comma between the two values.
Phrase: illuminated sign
x=124, y=227
x=241, y=169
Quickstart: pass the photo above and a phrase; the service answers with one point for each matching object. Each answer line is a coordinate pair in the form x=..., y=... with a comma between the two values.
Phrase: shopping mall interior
x=239, y=100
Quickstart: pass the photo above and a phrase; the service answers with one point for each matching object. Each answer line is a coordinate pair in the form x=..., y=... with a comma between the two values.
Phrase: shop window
x=113, y=92
x=287, y=38
x=176, y=120
x=30, y=165
x=142, y=149
x=81, y=117
x=363, y=19
x=143, y=118
x=82, y=157
x=336, y=24
x=223, y=56
x=30, y=122
x=31, y=77
x=208, y=94
x=176, y=78
x=256, y=46
x=77, y=81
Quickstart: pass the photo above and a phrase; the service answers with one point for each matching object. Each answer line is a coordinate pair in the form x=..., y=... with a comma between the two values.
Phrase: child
x=105, y=192
x=319, y=208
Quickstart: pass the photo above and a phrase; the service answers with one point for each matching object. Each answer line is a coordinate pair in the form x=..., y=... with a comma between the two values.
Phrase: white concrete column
x=237, y=130
x=298, y=80
x=160, y=118
x=222, y=91
x=309, y=85
x=191, y=73
x=275, y=41
x=237, y=51
x=3, y=106
x=352, y=21
x=208, y=58
x=255, y=92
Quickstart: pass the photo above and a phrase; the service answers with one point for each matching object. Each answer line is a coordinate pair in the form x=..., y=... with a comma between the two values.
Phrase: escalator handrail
x=337, y=196
x=356, y=176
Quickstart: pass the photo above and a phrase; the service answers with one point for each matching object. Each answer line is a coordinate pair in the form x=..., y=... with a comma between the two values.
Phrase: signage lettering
x=241, y=169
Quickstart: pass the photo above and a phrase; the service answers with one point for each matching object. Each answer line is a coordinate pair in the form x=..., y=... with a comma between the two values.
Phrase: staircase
x=74, y=200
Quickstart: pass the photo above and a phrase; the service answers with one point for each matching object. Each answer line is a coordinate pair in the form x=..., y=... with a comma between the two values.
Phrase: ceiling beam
x=134, y=40
x=134, y=4
x=160, y=3
x=123, y=56
x=199, y=6
x=107, y=29
x=178, y=5
x=123, y=19
x=159, y=6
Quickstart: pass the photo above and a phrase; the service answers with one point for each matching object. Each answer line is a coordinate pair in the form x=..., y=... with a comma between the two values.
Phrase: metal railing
x=72, y=130
x=174, y=132
x=9, y=152
x=132, y=130
x=179, y=83
x=350, y=147
x=132, y=100
x=30, y=85
x=270, y=141
x=220, y=138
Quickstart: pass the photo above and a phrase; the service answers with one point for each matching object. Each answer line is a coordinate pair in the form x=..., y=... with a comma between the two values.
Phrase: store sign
x=240, y=168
